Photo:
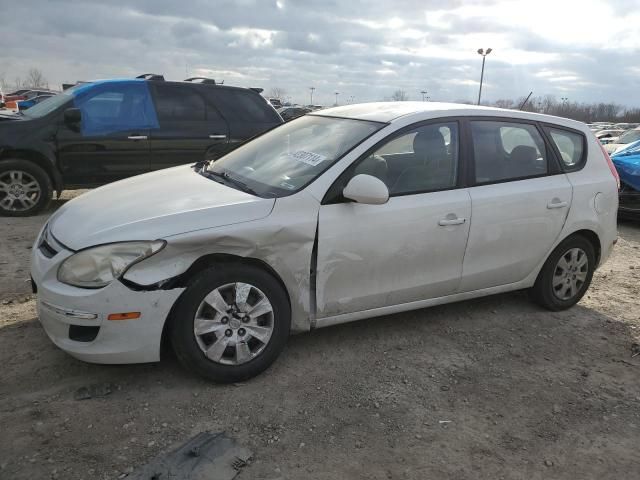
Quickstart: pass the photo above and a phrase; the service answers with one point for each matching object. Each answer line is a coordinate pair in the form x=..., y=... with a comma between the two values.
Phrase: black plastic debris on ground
x=210, y=456
x=93, y=391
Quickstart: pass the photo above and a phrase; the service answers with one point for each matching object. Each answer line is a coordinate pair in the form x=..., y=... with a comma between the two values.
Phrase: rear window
x=570, y=145
x=244, y=106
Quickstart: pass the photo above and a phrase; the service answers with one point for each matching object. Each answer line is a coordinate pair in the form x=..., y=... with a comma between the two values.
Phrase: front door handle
x=451, y=221
x=556, y=203
x=137, y=137
x=217, y=137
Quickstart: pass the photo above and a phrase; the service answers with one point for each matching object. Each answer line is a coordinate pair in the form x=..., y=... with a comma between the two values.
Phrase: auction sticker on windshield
x=309, y=158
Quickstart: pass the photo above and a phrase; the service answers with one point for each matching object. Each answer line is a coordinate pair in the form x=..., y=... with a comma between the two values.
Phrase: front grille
x=47, y=250
x=45, y=246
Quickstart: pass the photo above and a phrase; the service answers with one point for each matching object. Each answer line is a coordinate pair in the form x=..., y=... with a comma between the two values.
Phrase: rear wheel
x=566, y=275
x=25, y=188
x=231, y=323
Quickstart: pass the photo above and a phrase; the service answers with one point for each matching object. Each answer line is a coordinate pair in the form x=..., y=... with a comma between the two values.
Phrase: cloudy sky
x=586, y=50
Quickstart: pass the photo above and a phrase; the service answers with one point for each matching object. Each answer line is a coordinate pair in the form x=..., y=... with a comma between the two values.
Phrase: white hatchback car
x=340, y=215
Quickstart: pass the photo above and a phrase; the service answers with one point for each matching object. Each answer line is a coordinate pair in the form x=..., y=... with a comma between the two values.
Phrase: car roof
x=388, y=112
x=91, y=83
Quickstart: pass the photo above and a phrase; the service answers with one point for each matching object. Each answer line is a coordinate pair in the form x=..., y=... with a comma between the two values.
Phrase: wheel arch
x=38, y=158
x=593, y=238
x=202, y=263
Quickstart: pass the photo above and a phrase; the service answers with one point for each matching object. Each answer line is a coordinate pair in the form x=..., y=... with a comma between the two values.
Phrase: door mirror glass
x=72, y=116
x=366, y=189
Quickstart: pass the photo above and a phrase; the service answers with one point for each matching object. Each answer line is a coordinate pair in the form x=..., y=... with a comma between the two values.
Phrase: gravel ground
x=491, y=388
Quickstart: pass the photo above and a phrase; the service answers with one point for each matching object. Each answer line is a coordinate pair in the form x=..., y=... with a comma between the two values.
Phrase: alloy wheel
x=19, y=191
x=570, y=273
x=234, y=323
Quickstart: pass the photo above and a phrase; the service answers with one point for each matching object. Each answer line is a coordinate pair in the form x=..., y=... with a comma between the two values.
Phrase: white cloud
x=368, y=50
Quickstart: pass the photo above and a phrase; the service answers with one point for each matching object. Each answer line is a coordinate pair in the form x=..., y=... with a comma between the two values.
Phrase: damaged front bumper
x=76, y=319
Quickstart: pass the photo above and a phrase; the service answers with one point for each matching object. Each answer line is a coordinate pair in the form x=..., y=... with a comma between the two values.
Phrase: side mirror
x=366, y=189
x=72, y=116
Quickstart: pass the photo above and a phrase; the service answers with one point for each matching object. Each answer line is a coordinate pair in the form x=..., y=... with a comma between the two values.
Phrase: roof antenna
x=525, y=100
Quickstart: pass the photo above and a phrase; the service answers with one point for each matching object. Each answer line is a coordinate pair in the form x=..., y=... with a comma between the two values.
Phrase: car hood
x=152, y=206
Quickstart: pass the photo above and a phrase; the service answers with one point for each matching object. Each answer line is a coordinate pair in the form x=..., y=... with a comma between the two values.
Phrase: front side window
x=507, y=151
x=570, y=145
x=424, y=159
x=289, y=157
x=114, y=107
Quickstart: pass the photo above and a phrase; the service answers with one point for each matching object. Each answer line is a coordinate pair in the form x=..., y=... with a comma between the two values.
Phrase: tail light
x=612, y=167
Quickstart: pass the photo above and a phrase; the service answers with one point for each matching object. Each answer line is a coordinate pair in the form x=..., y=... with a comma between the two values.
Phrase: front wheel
x=25, y=188
x=566, y=275
x=231, y=323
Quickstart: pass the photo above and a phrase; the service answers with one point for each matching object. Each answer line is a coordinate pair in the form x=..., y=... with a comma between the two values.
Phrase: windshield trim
x=287, y=193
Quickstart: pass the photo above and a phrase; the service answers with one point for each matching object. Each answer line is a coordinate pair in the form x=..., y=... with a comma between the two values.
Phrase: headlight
x=99, y=266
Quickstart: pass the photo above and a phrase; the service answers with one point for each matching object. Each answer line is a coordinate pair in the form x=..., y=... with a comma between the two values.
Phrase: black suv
x=98, y=132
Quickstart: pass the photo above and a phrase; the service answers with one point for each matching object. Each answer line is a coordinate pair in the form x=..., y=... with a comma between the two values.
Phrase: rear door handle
x=217, y=137
x=451, y=221
x=557, y=204
x=137, y=137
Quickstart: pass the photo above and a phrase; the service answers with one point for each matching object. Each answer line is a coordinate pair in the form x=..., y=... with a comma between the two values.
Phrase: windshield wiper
x=228, y=178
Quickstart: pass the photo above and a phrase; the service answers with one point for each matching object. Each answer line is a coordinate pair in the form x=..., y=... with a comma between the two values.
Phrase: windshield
x=629, y=137
x=49, y=105
x=286, y=159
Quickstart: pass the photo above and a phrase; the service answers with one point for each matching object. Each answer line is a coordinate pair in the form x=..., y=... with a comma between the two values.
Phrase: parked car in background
x=623, y=140
x=26, y=104
x=11, y=100
x=276, y=102
x=609, y=135
x=289, y=113
x=99, y=132
x=350, y=213
x=627, y=162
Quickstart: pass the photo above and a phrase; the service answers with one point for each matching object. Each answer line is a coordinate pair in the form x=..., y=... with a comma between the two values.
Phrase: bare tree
x=277, y=92
x=399, y=96
x=35, y=78
x=504, y=103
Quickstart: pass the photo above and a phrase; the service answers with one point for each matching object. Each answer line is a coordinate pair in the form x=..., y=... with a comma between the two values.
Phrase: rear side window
x=176, y=103
x=570, y=145
x=507, y=151
x=244, y=106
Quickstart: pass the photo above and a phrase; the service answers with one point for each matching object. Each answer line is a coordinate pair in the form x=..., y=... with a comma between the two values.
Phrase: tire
x=221, y=354
x=557, y=286
x=25, y=188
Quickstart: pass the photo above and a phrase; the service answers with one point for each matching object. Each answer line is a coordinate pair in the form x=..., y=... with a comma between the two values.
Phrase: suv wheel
x=25, y=188
x=566, y=275
x=231, y=323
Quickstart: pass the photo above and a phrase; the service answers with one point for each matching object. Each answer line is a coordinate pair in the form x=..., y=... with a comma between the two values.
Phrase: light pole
x=564, y=101
x=423, y=92
x=351, y=98
x=484, y=55
x=337, y=93
x=311, y=89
